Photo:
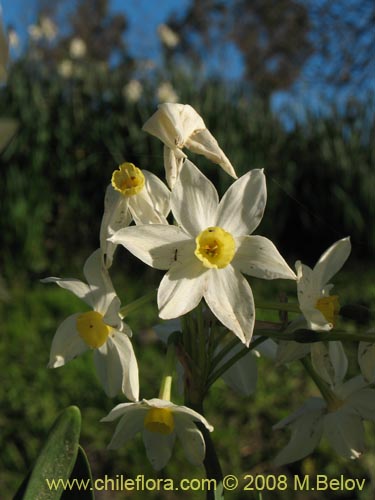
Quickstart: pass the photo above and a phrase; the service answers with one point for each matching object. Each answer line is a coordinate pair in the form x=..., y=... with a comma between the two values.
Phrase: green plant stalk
x=166, y=383
x=318, y=336
x=224, y=351
x=279, y=306
x=136, y=304
x=216, y=374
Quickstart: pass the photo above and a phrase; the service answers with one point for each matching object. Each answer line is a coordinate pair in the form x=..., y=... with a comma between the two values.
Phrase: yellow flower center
x=128, y=179
x=215, y=247
x=92, y=329
x=159, y=420
x=329, y=306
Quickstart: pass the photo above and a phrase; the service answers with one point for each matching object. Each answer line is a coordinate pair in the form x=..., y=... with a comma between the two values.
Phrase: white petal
x=311, y=405
x=187, y=412
x=158, y=403
x=194, y=200
x=120, y=410
x=182, y=288
x=322, y=362
x=204, y=143
x=66, y=344
x=331, y=261
x=230, y=298
x=308, y=294
x=345, y=433
x=130, y=424
x=158, y=192
x=366, y=360
x=111, y=317
x=117, y=367
x=306, y=433
x=242, y=376
x=339, y=361
x=257, y=256
x=191, y=439
x=241, y=208
x=116, y=216
x=102, y=291
x=363, y=402
x=75, y=286
x=289, y=350
x=158, y=448
x=157, y=245
x=345, y=390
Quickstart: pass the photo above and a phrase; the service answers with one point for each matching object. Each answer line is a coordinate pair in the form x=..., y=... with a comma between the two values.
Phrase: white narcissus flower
x=180, y=126
x=160, y=422
x=340, y=421
x=133, y=194
x=210, y=249
x=4, y=52
x=100, y=329
x=319, y=308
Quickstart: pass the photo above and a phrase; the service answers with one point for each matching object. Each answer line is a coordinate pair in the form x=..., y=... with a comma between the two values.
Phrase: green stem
x=216, y=374
x=136, y=304
x=313, y=336
x=166, y=383
x=224, y=351
x=279, y=306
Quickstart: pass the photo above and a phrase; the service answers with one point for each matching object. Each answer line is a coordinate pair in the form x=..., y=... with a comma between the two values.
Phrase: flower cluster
x=206, y=247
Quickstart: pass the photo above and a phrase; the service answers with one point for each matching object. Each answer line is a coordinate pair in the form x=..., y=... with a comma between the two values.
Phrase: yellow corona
x=215, y=247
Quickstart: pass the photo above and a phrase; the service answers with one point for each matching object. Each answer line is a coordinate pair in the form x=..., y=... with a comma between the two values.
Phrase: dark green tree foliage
x=272, y=37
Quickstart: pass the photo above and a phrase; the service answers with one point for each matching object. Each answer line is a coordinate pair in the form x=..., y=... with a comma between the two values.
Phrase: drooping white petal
x=157, y=245
x=80, y=289
x=194, y=200
x=307, y=430
x=204, y=143
x=366, y=360
x=331, y=261
x=101, y=288
x=116, y=216
x=158, y=403
x=230, y=298
x=345, y=432
x=66, y=344
x=182, y=287
x=173, y=123
x=257, y=256
x=187, y=412
x=158, y=448
x=119, y=410
x=117, y=367
x=363, y=402
x=308, y=294
x=243, y=374
x=191, y=439
x=242, y=206
x=130, y=424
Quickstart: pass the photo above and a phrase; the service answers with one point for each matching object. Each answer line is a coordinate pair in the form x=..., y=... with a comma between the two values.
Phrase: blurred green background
x=79, y=108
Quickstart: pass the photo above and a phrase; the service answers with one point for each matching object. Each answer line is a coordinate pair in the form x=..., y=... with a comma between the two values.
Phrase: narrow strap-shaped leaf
x=80, y=479
x=56, y=460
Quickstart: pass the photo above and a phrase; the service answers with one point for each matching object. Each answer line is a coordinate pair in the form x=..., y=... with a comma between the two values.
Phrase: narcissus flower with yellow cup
x=100, y=329
x=338, y=417
x=160, y=422
x=208, y=251
x=319, y=308
x=133, y=194
x=179, y=126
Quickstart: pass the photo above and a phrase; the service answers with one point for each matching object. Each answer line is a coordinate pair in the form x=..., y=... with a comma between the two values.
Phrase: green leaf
x=56, y=459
